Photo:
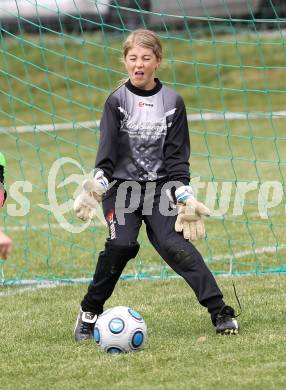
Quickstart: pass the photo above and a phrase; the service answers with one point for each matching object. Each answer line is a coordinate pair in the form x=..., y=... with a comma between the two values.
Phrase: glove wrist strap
x=184, y=193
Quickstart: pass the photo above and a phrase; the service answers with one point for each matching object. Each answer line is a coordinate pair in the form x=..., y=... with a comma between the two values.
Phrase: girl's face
x=141, y=64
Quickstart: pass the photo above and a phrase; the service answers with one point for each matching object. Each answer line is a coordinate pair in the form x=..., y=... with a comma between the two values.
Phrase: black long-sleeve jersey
x=144, y=135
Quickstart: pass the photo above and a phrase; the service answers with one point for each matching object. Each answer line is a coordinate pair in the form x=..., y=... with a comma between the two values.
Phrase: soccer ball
x=120, y=329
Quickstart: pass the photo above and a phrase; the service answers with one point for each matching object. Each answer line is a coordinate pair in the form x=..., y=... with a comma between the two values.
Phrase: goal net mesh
x=57, y=67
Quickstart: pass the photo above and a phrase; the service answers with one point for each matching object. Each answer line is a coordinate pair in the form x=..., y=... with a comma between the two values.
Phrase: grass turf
x=183, y=351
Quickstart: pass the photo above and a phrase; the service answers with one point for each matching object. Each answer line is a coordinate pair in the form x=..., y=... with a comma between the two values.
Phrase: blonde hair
x=145, y=38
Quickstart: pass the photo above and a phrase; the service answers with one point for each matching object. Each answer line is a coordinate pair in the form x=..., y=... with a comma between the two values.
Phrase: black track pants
x=179, y=254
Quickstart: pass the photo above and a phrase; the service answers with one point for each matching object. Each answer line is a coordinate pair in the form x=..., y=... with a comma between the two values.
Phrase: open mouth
x=139, y=73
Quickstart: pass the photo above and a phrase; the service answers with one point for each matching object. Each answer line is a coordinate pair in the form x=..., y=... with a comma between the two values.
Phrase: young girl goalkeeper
x=144, y=143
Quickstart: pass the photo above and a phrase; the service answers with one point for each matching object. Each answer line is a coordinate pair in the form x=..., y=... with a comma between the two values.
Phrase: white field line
x=239, y=255
x=256, y=214
x=256, y=251
x=208, y=116
x=49, y=127
x=98, y=223
x=34, y=285
x=192, y=118
x=252, y=214
x=235, y=255
x=29, y=288
x=56, y=226
x=44, y=226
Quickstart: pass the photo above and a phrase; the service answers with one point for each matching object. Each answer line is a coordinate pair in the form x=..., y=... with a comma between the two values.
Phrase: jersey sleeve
x=177, y=146
x=109, y=127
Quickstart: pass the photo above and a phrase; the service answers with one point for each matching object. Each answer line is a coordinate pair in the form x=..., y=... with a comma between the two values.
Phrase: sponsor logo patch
x=143, y=104
x=111, y=223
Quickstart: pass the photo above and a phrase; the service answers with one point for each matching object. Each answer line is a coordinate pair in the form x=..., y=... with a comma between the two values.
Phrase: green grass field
x=65, y=79
x=182, y=352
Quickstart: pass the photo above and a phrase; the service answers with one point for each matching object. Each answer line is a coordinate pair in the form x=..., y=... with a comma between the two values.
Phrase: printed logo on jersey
x=154, y=128
x=143, y=104
x=111, y=224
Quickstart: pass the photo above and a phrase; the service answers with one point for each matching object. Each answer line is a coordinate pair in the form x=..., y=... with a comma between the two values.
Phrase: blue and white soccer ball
x=120, y=329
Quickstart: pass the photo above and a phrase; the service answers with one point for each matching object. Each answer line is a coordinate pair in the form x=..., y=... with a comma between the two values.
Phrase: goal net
x=58, y=64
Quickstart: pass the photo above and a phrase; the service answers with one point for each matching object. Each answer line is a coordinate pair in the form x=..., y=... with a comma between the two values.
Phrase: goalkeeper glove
x=190, y=214
x=86, y=203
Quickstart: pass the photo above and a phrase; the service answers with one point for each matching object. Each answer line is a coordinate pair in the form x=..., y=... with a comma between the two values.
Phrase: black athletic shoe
x=84, y=325
x=226, y=322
